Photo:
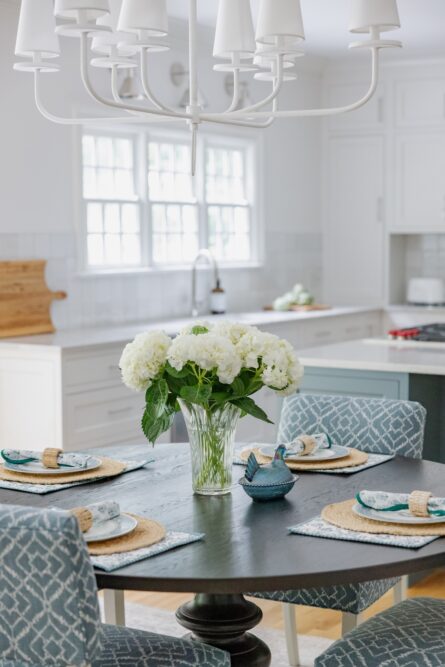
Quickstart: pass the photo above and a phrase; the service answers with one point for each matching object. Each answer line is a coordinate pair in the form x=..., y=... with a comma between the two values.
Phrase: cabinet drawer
x=355, y=383
x=101, y=417
x=100, y=367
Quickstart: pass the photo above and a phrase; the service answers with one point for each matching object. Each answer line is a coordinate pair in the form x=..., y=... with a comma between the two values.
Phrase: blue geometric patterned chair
x=411, y=634
x=49, y=607
x=379, y=426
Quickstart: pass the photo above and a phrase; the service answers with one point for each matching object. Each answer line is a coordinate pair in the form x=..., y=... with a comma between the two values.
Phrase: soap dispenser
x=218, y=299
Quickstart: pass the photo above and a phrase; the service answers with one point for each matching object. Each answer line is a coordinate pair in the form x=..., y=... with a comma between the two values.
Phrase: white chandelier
x=118, y=34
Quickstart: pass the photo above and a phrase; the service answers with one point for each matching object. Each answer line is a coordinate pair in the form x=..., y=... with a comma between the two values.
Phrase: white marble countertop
x=378, y=355
x=114, y=334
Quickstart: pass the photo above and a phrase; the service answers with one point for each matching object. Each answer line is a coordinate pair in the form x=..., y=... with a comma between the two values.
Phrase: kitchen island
x=387, y=369
x=64, y=389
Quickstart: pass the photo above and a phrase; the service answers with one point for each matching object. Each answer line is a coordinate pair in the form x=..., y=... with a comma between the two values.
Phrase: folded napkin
x=97, y=513
x=59, y=459
x=418, y=502
x=303, y=445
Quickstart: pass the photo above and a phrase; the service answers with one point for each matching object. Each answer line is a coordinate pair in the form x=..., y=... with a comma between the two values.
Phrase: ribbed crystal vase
x=212, y=441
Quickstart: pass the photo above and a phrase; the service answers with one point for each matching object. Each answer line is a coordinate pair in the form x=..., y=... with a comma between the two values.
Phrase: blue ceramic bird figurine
x=268, y=482
x=275, y=472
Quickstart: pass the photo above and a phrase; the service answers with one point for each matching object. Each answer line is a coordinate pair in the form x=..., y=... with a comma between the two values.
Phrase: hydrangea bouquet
x=210, y=372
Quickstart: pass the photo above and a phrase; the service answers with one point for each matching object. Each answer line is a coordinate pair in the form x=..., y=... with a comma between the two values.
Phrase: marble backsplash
x=119, y=298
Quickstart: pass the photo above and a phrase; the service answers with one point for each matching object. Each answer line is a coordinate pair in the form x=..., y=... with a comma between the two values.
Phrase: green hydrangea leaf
x=249, y=406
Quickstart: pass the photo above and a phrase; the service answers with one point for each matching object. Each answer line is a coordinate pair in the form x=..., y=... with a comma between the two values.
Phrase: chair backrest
x=377, y=425
x=48, y=595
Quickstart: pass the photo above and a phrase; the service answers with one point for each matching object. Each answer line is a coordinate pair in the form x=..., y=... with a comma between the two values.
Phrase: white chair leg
x=290, y=629
x=114, y=607
x=349, y=622
x=401, y=590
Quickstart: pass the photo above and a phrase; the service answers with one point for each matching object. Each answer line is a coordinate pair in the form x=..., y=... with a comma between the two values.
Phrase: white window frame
x=250, y=142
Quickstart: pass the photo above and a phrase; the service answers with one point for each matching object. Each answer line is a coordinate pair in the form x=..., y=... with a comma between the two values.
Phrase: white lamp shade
x=35, y=32
x=380, y=14
x=111, y=20
x=68, y=9
x=148, y=15
x=279, y=19
x=234, y=30
x=103, y=40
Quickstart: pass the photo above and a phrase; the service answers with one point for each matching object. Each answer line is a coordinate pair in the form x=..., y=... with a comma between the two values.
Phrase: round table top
x=247, y=546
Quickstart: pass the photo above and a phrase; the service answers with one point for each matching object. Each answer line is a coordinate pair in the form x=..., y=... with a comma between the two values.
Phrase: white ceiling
x=326, y=21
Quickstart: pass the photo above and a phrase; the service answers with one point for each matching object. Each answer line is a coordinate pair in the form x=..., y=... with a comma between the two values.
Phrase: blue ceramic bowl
x=262, y=493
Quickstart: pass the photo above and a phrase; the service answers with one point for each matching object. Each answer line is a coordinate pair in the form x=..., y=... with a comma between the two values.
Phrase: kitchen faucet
x=204, y=253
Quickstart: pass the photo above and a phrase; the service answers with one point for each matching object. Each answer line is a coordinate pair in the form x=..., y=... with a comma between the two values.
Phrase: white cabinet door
x=420, y=182
x=420, y=102
x=354, y=221
x=370, y=116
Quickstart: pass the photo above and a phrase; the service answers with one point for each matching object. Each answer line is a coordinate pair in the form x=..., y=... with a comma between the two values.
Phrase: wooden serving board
x=303, y=309
x=25, y=299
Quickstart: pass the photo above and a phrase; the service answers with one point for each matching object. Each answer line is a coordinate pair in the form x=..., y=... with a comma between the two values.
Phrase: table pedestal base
x=223, y=621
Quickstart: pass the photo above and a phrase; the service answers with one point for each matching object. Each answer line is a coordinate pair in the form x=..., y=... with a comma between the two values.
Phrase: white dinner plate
x=399, y=516
x=332, y=454
x=111, y=528
x=37, y=467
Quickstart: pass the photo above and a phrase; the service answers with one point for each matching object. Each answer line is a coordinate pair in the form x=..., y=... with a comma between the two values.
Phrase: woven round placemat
x=108, y=468
x=146, y=533
x=342, y=516
x=355, y=458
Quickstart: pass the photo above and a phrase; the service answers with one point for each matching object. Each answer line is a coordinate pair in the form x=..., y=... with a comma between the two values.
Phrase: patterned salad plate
x=400, y=516
x=332, y=454
x=37, y=468
x=110, y=529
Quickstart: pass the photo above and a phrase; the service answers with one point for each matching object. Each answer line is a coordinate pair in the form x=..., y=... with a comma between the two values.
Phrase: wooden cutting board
x=303, y=309
x=25, y=299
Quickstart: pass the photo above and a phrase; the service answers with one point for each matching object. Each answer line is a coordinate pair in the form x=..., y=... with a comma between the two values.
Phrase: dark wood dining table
x=247, y=546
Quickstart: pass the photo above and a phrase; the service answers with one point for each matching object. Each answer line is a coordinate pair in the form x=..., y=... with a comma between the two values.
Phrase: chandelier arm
x=306, y=113
x=146, y=86
x=276, y=89
x=236, y=92
x=60, y=120
x=158, y=115
x=165, y=115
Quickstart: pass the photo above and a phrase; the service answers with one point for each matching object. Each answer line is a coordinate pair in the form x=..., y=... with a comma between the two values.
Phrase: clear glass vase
x=212, y=441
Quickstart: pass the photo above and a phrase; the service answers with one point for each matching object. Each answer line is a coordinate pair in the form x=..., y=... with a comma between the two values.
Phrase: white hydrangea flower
x=282, y=370
x=208, y=351
x=143, y=359
x=233, y=331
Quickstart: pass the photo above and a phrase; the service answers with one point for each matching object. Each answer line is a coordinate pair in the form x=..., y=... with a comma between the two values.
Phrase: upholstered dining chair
x=49, y=606
x=407, y=635
x=379, y=426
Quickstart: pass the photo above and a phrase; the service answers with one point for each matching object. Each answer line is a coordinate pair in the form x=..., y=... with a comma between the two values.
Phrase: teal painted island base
x=429, y=390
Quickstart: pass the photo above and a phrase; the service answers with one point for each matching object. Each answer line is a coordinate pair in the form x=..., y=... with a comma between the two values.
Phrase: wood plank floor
x=310, y=621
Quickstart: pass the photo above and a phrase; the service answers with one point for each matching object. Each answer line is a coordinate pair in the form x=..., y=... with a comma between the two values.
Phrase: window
x=142, y=208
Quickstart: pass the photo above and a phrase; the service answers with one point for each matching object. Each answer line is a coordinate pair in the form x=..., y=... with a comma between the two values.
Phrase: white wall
x=38, y=193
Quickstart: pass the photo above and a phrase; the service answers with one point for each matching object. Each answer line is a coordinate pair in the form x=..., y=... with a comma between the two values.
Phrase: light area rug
x=163, y=622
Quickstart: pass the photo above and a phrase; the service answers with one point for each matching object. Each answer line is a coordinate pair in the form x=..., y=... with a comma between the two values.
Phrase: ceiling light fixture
x=120, y=29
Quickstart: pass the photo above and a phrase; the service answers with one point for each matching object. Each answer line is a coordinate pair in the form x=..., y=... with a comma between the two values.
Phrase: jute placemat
x=342, y=516
x=108, y=468
x=355, y=458
x=146, y=533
